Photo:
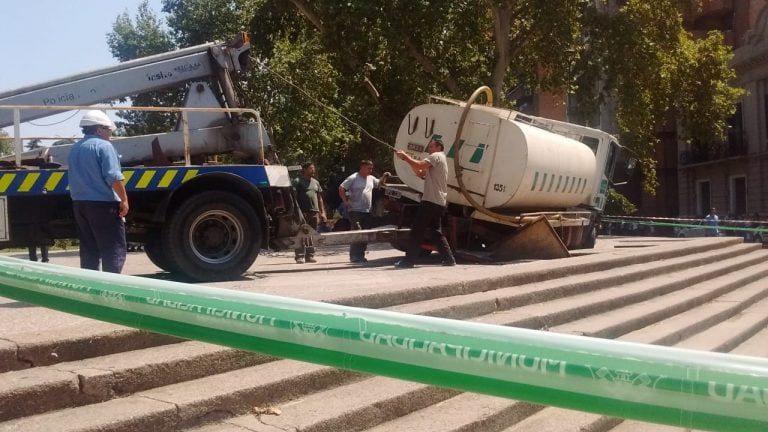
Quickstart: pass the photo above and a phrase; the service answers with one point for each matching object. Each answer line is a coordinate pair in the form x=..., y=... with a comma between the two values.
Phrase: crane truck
x=209, y=222
x=205, y=221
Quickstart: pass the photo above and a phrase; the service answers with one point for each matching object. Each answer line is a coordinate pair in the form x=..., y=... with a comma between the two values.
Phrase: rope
x=55, y=123
x=326, y=106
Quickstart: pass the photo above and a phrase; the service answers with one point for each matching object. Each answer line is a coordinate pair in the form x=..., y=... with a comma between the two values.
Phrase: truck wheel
x=158, y=255
x=213, y=236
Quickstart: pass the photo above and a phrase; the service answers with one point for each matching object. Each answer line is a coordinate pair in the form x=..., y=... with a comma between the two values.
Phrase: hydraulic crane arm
x=212, y=60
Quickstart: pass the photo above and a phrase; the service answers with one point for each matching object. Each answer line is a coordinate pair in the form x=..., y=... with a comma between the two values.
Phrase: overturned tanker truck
x=519, y=186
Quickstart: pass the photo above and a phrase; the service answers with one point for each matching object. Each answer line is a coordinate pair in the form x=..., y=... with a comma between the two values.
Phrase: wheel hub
x=216, y=236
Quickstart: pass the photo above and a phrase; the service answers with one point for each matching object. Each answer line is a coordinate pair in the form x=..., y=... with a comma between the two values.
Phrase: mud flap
x=536, y=240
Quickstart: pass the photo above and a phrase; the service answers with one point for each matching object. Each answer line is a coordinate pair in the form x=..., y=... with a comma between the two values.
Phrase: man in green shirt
x=310, y=196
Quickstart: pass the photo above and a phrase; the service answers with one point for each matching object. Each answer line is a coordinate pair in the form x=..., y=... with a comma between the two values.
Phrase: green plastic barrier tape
x=684, y=388
x=722, y=225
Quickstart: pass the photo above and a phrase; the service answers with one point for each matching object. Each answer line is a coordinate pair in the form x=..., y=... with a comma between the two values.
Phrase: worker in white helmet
x=99, y=199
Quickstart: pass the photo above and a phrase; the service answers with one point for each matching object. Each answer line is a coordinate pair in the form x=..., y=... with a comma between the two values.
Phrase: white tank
x=507, y=164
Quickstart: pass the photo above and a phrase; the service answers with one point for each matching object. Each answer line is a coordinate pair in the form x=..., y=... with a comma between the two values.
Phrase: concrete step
x=754, y=346
x=494, y=414
x=674, y=330
x=64, y=337
x=701, y=305
x=744, y=329
x=33, y=391
x=80, y=340
x=310, y=397
x=463, y=413
x=563, y=420
x=193, y=402
x=505, y=297
x=336, y=409
x=534, y=271
x=545, y=314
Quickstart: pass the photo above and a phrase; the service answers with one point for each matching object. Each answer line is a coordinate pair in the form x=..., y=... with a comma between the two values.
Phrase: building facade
x=729, y=176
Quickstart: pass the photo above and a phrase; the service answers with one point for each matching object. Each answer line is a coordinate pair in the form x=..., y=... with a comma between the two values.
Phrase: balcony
x=716, y=7
x=714, y=15
x=735, y=146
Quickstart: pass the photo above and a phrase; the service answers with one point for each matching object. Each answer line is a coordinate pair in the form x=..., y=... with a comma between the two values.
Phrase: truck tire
x=158, y=254
x=213, y=236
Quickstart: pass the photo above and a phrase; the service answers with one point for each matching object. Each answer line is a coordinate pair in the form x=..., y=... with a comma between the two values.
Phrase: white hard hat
x=97, y=118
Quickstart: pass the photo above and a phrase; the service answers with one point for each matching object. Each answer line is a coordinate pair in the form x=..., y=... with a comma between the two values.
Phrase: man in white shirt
x=356, y=193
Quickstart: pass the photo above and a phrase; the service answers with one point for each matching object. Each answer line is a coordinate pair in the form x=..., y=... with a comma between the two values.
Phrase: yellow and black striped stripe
x=43, y=182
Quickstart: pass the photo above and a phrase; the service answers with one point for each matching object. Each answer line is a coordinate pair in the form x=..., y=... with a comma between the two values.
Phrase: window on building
x=738, y=196
x=703, y=198
x=736, y=143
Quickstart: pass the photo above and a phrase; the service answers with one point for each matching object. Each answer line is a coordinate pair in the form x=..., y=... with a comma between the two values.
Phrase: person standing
x=712, y=221
x=356, y=193
x=309, y=193
x=434, y=170
x=99, y=198
x=32, y=250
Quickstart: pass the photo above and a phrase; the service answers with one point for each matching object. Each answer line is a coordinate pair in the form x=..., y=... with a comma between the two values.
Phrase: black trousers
x=428, y=221
x=102, y=235
x=357, y=221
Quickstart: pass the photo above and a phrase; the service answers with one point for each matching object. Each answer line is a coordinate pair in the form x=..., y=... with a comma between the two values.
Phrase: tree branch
x=306, y=9
x=502, y=14
x=431, y=68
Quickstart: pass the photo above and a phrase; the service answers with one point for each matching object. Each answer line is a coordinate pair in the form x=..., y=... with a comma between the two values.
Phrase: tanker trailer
x=527, y=187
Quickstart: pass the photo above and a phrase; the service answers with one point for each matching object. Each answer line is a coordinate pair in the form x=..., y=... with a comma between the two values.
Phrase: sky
x=44, y=40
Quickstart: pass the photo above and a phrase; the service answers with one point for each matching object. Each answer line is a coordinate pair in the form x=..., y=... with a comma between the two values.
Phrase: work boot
x=404, y=264
x=448, y=263
x=299, y=260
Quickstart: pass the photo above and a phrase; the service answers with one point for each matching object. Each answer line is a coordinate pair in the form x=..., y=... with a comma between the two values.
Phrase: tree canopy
x=34, y=144
x=372, y=61
x=6, y=144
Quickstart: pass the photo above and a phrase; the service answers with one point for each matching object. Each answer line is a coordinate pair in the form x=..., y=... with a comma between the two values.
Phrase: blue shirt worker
x=356, y=193
x=99, y=199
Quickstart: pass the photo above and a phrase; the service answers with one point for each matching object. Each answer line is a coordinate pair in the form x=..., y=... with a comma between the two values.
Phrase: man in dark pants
x=356, y=193
x=99, y=199
x=33, y=253
x=309, y=194
x=434, y=170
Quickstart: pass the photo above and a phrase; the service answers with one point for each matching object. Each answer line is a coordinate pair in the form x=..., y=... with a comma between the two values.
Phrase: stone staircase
x=706, y=294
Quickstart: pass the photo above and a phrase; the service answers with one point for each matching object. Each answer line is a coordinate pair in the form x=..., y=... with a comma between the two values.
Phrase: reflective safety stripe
x=54, y=180
x=5, y=181
x=167, y=178
x=145, y=179
x=127, y=175
x=29, y=182
x=191, y=173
